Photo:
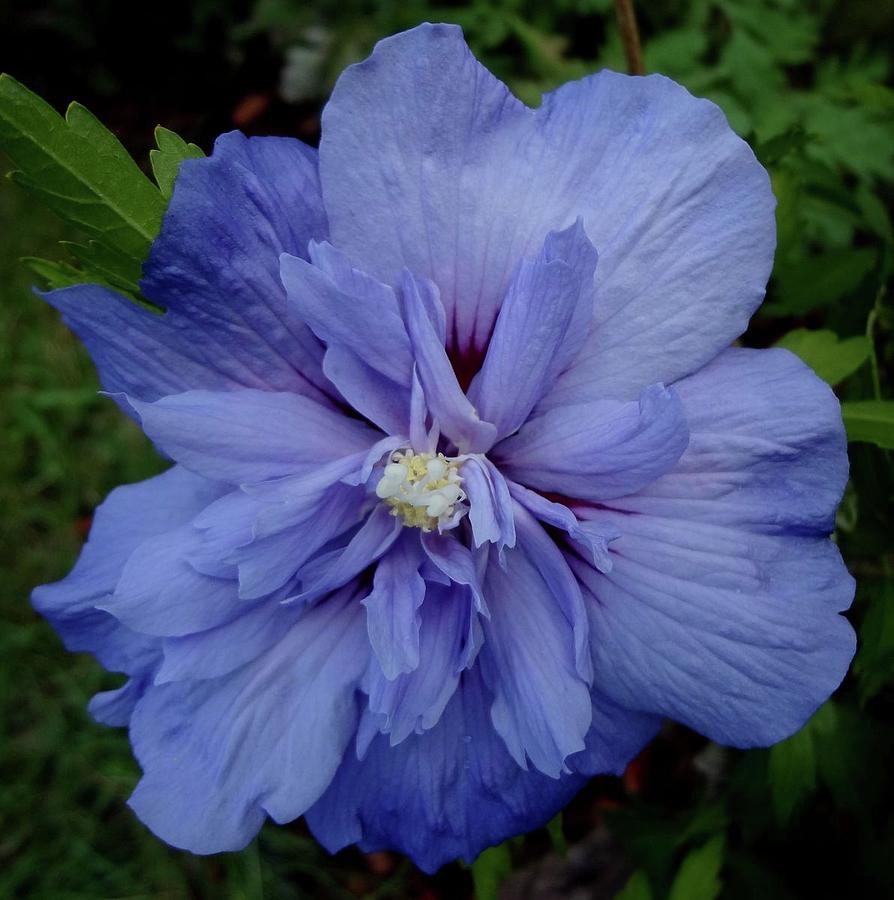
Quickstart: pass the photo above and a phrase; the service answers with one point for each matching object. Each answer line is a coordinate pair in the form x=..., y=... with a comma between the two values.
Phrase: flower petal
x=413, y=701
x=216, y=261
x=220, y=754
x=248, y=436
x=767, y=448
x=458, y=563
x=129, y=516
x=447, y=793
x=215, y=269
x=332, y=569
x=560, y=516
x=449, y=406
x=600, y=449
x=267, y=532
x=227, y=647
x=540, y=329
x=392, y=608
x=352, y=311
x=161, y=593
x=721, y=607
x=531, y=656
x=490, y=506
x=428, y=163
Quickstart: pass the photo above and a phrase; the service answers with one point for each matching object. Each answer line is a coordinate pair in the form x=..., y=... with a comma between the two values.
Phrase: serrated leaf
x=166, y=160
x=792, y=773
x=105, y=265
x=54, y=274
x=871, y=421
x=698, y=878
x=636, y=888
x=490, y=870
x=831, y=357
x=80, y=170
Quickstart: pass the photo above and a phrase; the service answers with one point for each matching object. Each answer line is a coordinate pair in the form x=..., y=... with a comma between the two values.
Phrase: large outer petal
x=721, y=608
x=130, y=515
x=220, y=754
x=428, y=162
x=215, y=269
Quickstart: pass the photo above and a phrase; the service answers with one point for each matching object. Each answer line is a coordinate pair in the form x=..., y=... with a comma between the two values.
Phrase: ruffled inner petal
x=598, y=450
x=541, y=327
x=219, y=755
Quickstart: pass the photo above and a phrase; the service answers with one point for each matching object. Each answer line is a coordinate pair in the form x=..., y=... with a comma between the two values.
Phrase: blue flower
x=470, y=488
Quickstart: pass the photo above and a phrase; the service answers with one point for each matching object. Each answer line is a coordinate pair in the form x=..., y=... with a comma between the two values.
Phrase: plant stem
x=630, y=37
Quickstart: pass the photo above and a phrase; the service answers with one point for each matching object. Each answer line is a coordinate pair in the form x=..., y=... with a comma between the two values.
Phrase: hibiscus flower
x=470, y=489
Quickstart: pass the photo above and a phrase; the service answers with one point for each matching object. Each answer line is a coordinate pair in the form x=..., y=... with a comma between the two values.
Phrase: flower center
x=421, y=488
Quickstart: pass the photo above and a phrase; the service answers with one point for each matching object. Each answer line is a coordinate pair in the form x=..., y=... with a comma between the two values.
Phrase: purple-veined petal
x=218, y=755
x=490, y=506
x=392, y=608
x=428, y=163
x=161, y=593
x=541, y=326
x=227, y=647
x=458, y=563
x=413, y=701
x=129, y=516
x=249, y=436
x=332, y=569
x=215, y=270
x=369, y=392
x=455, y=415
x=546, y=557
x=455, y=790
x=598, y=450
x=114, y=708
x=615, y=737
x=722, y=606
x=356, y=314
x=215, y=264
x=767, y=447
x=531, y=656
x=560, y=516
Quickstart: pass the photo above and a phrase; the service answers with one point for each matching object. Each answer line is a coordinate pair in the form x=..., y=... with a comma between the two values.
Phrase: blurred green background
x=808, y=84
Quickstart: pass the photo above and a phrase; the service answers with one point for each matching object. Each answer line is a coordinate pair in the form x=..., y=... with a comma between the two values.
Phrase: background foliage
x=806, y=83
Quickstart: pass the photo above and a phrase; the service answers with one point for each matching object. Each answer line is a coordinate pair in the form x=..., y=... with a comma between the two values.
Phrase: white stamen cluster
x=421, y=488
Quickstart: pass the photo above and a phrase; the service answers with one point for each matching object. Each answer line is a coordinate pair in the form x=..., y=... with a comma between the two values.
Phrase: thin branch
x=630, y=37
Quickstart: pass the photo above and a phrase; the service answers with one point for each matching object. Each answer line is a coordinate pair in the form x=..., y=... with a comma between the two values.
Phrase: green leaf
x=166, y=160
x=792, y=772
x=871, y=421
x=55, y=274
x=637, y=887
x=80, y=170
x=490, y=870
x=699, y=875
x=106, y=265
x=831, y=357
x=807, y=284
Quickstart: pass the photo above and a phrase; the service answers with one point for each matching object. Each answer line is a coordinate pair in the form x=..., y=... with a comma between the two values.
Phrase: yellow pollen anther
x=422, y=488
